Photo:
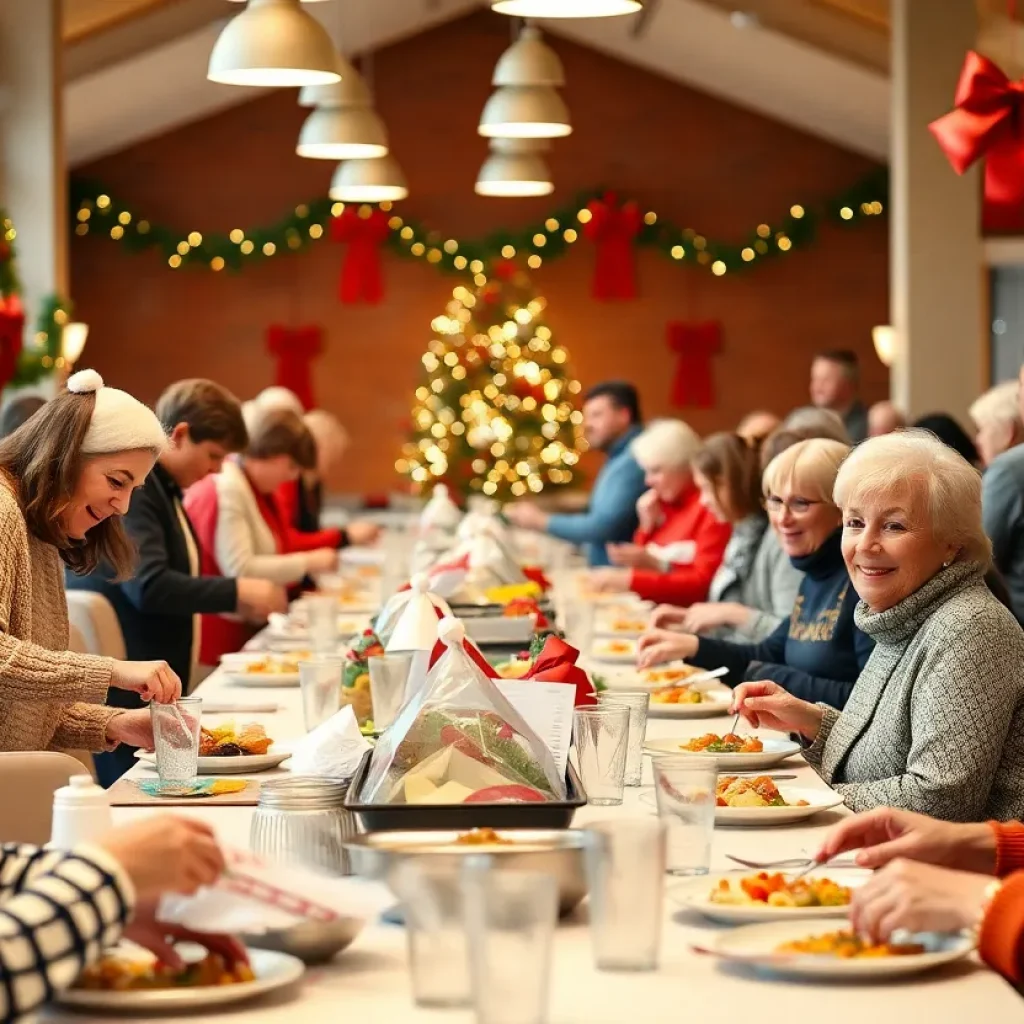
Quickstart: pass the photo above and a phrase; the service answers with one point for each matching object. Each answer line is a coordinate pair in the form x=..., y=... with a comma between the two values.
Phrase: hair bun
x=85, y=382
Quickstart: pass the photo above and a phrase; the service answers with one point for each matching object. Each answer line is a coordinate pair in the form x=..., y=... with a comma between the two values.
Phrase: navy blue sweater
x=818, y=652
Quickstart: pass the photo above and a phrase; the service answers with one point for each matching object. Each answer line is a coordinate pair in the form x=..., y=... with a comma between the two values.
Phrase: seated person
x=997, y=417
x=17, y=412
x=818, y=652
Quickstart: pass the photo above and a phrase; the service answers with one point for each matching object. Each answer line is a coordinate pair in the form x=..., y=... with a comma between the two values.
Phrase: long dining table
x=370, y=980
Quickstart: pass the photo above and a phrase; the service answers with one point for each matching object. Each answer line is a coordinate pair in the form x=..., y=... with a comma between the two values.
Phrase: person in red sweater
x=679, y=544
x=938, y=876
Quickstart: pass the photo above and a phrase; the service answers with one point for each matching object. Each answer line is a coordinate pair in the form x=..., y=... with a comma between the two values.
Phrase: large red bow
x=695, y=344
x=613, y=230
x=12, y=328
x=364, y=230
x=556, y=663
x=294, y=348
x=987, y=123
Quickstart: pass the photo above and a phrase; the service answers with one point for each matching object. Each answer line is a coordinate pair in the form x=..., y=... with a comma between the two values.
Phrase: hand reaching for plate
x=657, y=646
x=766, y=705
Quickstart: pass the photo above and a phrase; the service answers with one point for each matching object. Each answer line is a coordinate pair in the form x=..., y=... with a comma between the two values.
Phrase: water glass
x=626, y=871
x=320, y=681
x=685, y=791
x=601, y=736
x=389, y=674
x=510, y=921
x=322, y=616
x=176, y=738
x=638, y=702
x=579, y=624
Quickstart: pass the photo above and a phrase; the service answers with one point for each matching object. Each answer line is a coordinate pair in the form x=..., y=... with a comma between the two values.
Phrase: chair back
x=96, y=621
x=28, y=780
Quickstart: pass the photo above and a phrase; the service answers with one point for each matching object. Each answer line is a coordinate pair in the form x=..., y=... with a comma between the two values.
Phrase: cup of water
x=684, y=788
x=320, y=683
x=322, y=614
x=176, y=738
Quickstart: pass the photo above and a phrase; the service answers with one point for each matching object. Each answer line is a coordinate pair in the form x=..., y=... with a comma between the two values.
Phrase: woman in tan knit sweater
x=66, y=477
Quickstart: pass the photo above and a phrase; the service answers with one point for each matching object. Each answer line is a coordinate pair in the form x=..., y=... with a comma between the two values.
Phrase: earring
x=946, y=565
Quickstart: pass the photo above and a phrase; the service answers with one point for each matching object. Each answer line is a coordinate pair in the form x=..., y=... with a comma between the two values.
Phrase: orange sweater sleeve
x=1009, y=846
x=1001, y=943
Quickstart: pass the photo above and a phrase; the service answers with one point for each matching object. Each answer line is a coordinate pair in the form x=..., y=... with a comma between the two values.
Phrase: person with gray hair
x=935, y=722
x=997, y=417
x=810, y=421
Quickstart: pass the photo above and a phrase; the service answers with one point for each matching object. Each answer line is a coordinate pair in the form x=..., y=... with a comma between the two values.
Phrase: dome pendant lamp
x=566, y=8
x=515, y=169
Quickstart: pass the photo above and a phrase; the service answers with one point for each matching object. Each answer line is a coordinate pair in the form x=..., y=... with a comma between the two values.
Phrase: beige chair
x=78, y=644
x=28, y=780
x=94, y=618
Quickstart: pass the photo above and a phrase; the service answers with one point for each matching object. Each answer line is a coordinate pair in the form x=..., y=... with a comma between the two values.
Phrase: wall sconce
x=73, y=342
x=884, y=337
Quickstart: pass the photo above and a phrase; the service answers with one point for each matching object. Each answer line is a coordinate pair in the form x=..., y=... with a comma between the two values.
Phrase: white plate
x=244, y=764
x=695, y=894
x=272, y=970
x=601, y=651
x=764, y=817
x=262, y=679
x=774, y=752
x=716, y=703
x=755, y=945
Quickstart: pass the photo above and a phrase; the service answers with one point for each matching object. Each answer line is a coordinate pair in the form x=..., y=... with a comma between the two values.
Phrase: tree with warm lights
x=496, y=413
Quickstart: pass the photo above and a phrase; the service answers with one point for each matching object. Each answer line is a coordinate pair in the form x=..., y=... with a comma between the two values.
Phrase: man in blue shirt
x=611, y=419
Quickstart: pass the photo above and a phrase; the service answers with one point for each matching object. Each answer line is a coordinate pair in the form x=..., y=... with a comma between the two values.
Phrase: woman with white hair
x=817, y=652
x=679, y=543
x=996, y=415
x=935, y=722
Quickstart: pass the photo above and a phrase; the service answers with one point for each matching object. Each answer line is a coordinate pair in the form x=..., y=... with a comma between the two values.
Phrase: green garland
x=95, y=211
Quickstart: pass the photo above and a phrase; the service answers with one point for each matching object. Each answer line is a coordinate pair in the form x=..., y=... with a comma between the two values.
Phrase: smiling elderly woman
x=935, y=722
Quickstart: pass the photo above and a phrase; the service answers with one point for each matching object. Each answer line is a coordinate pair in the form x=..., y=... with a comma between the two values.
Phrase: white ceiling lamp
x=525, y=112
x=72, y=342
x=529, y=61
x=515, y=169
x=566, y=8
x=342, y=133
x=369, y=181
x=350, y=90
x=273, y=43
x=885, y=341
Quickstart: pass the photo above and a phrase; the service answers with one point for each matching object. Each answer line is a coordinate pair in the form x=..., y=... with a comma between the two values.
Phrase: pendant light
x=529, y=61
x=343, y=124
x=566, y=8
x=884, y=338
x=369, y=181
x=273, y=43
x=515, y=169
x=525, y=112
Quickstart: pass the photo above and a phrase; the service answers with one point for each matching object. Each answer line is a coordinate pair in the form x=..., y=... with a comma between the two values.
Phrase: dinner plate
x=633, y=626
x=259, y=679
x=774, y=752
x=717, y=701
x=818, y=800
x=695, y=894
x=603, y=650
x=243, y=764
x=273, y=971
x=755, y=945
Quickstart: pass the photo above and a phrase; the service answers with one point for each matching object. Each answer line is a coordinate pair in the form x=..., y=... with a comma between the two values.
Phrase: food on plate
x=355, y=679
x=775, y=891
x=523, y=607
x=627, y=625
x=678, y=695
x=518, y=668
x=623, y=647
x=760, y=791
x=847, y=946
x=122, y=974
x=730, y=743
x=668, y=676
x=482, y=837
x=275, y=666
x=225, y=741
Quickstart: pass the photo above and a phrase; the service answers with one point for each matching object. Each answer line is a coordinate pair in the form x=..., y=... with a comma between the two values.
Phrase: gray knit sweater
x=935, y=722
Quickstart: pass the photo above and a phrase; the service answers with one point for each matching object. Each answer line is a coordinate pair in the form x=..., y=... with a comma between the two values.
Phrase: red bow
x=613, y=229
x=12, y=328
x=556, y=663
x=535, y=574
x=695, y=344
x=364, y=230
x=294, y=348
x=987, y=123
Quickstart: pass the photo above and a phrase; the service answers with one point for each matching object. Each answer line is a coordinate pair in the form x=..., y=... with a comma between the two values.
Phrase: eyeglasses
x=798, y=506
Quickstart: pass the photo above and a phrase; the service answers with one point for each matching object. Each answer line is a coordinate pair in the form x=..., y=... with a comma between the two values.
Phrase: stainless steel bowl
x=313, y=942
x=556, y=852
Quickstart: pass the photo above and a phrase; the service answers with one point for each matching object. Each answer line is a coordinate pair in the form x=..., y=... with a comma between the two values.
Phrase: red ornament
x=295, y=348
x=504, y=270
x=987, y=123
x=694, y=344
x=613, y=230
x=12, y=328
x=364, y=230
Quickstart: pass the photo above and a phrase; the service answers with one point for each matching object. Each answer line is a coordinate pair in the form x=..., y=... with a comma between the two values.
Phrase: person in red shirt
x=679, y=544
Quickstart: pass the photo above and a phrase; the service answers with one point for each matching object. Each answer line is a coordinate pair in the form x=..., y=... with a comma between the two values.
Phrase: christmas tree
x=496, y=413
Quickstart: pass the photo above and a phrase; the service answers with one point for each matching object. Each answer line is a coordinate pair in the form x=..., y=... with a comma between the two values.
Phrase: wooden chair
x=28, y=780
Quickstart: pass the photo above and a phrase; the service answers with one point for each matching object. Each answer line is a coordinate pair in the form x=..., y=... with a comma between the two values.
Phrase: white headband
x=119, y=422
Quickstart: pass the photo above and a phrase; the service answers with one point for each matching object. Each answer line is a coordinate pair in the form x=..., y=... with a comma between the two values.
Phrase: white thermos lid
x=81, y=791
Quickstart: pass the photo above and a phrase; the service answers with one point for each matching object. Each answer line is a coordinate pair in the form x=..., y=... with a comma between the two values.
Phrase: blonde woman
x=818, y=652
x=996, y=415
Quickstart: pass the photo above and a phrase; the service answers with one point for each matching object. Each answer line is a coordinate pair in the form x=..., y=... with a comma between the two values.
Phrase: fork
x=791, y=862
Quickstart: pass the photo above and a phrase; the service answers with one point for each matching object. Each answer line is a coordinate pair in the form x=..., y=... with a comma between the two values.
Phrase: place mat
x=129, y=793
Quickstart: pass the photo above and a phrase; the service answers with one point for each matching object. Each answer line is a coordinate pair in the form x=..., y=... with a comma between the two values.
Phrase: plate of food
x=730, y=751
x=684, y=702
x=794, y=949
x=756, y=800
x=745, y=897
x=614, y=649
x=227, y=750
x=263, y=669
x=130, y=979
x=630, y=623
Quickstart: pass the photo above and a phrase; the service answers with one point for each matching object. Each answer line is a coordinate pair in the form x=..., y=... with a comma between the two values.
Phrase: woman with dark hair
x=949, y=432
x=66, y=479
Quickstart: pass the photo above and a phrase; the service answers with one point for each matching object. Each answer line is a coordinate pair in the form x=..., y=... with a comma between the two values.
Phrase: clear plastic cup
x=176, y=738
x=320, y=682
x=322, y=616
x=684, y=788
x=389, y=675
x=601, y=737
x=638, y=702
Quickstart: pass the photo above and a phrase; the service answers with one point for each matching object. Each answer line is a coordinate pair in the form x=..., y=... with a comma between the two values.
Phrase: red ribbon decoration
x=556, y=663
x=12, y=329
x=613, y=230
x=364, y=230
x=986, y=122
x=694, y=344
x=295, y=348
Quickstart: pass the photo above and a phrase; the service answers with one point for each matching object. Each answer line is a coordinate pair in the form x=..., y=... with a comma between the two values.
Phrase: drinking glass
x=510, y=921
x=638, y=702
x=601, y=735
x=579, y=624
x=685, y=791
x=322, y=615
x=389, y=674
x=176, y=738
x=320, y=682
x=626, y=871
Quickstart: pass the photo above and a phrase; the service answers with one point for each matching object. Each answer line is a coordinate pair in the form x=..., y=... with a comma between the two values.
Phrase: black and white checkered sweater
x=935, y=722
x=58, y=912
